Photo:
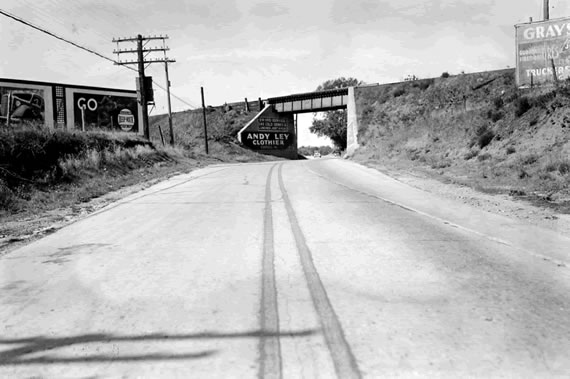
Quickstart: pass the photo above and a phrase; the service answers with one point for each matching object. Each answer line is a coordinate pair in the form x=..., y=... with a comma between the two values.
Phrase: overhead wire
x=91, y=51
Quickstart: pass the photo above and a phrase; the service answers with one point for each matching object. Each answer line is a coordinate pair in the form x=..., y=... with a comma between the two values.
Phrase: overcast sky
x=247, y=48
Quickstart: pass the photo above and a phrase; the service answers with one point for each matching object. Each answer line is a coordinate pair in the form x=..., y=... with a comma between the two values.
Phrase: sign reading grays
x=267, y=140
x=540, y=46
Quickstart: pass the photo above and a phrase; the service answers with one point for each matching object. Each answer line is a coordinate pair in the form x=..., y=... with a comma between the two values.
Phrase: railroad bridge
x=272, y=131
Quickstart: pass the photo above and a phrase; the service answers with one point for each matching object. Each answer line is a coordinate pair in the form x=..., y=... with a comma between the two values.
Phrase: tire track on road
x=269, y=345
x=342, y=356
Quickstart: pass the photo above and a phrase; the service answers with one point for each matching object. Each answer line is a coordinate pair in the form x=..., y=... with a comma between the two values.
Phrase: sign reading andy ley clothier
x=267, y=140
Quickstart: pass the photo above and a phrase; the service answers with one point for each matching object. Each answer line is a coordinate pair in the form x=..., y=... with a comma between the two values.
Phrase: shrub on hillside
x=494, y=115
x=484, y=135
x=521, y=106
x=445, y=74
x=472, y=153
x=528, y=159
x=511, y=150
x=423, y=84
x=560, y=165
x=399, y=91
x=498, y=102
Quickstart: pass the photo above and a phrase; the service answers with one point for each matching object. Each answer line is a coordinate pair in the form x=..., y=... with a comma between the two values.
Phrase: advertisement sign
x=20, y=104
x=543, y=48
x=273, y=124
x=267, y=140
x=104, y=111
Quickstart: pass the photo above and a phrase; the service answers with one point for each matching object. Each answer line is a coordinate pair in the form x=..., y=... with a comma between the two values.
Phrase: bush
x=511, y=150
x=498, y=102
x=471, y=154
x=445, y=74
x=529, y=159
x=562, y=166
x=484, y=136
x=521, y=106
x=494, y=115
x=425, y=84
x=399, y=91
x=484, y=157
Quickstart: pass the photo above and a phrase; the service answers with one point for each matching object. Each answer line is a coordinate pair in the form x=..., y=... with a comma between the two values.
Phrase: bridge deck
x=311, y=101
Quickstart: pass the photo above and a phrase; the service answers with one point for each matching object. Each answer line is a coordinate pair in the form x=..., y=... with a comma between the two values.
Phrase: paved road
x=313, y=269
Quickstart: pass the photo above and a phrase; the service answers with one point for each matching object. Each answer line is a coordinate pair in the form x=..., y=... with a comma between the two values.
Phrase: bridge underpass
x=272, y=130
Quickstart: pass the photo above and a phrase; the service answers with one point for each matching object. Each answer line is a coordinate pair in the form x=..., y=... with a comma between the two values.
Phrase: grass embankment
x=223, y=125
x=42, y=169
x=477, y=129
x=46, y=170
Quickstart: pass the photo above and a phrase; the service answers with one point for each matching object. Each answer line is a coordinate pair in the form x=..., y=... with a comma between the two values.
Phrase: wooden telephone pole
x=546, y=10
x=144, y=84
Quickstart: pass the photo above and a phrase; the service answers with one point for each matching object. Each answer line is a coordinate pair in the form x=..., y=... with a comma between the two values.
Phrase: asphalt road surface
x=307, y=269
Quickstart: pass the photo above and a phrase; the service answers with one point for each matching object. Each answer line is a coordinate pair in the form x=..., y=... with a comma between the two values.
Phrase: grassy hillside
x=223, y=125
x=475, y=129
x=44, y=169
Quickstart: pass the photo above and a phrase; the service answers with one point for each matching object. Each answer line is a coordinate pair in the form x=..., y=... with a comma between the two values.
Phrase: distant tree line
x=333, y=125
x=310, y=150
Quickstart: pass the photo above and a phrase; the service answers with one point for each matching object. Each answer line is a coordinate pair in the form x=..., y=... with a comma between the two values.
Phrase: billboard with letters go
x=67, y=106
x=542, y=48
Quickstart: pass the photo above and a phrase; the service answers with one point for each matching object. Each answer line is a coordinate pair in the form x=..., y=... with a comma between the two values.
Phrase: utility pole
x=204, y=114
x=142, y=87
x=546, y=10
x=145, y=83
x=169, y=106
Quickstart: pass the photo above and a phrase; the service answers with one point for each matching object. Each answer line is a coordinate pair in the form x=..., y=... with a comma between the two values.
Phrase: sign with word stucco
x=542, y=49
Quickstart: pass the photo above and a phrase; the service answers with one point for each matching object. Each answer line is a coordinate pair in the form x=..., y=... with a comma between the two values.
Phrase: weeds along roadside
x=43, y=169
x=476, y=129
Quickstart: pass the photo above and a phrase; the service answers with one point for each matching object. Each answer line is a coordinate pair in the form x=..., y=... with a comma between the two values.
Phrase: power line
x=27, y=23
x=176, y=97
x=54, y=35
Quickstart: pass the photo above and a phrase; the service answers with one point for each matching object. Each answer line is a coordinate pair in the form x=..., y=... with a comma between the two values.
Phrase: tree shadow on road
x=40, y=344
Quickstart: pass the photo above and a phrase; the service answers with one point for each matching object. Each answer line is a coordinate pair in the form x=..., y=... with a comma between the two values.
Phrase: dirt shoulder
x=531, y=210
x=21, y=228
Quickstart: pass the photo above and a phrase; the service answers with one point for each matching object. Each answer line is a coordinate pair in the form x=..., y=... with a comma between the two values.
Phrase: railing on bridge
x=311, y=101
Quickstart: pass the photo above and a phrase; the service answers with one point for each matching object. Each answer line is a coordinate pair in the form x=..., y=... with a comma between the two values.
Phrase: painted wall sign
x=267, y=140
x=273, y=124
x=538, y=45
x=103, y=111
x=270, y=132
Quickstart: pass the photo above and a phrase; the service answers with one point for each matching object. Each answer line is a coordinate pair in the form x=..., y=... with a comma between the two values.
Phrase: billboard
x=542, y=49
x=103, y=110
x=25, y=104
x=68, y=106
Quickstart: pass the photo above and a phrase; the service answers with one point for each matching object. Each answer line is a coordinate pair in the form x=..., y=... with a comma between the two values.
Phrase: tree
x=333, y=125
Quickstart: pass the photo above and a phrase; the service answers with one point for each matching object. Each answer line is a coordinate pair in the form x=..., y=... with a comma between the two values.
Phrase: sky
x=239, y=49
